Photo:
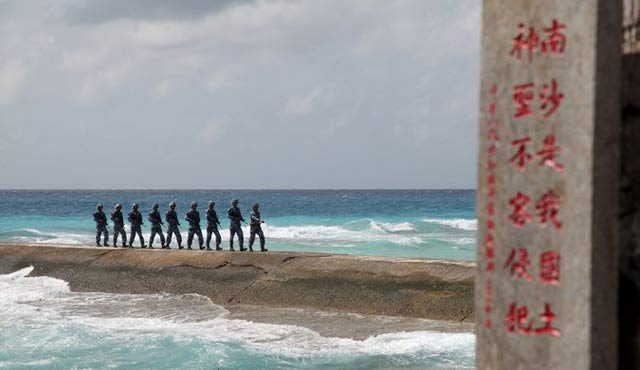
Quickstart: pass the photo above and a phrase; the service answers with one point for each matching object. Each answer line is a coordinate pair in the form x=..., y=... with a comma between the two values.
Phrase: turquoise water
x=405, y=223
x=45, y=326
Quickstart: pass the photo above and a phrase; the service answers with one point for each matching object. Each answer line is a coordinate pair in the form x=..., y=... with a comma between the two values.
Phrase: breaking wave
x=456, y=223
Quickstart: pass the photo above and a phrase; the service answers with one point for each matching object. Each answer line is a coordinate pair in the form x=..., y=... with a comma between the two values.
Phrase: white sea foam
x=456, y=223
x=47, y=302
x=376, y=232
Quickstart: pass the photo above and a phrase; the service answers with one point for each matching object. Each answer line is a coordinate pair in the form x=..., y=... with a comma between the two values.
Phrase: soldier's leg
x=169, y=232
x=178, y=237
x=106, y=236
x=115, y=235
x=98, y=232
x=200, y=239
x=232, y=233
x=124, y=236
x=132, y=235
x=240, y=238
x=161, y=237
x=218, y=238
x=190, y=237
x=152, y=237
x=252, y=238
x=209, y=232
x=139, y=231
x=262, y=241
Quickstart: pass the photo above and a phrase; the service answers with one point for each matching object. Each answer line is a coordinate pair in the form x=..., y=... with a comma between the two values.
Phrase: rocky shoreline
x=419, y=288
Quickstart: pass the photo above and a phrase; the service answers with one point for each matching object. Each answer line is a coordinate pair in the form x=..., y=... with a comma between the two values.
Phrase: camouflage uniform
x=135, y=219
x=212, y=228
x=193, y=217
x=156, y=227
x=234, y=227
x=172, y=219
x=101, y=227
x=256, y=228
x=118, y=227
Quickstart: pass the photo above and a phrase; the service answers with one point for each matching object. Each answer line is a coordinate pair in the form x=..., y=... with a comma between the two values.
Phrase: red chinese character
x=518, y=319
x=491, y=209
x=523, y=96
x=522, y=42
x=547, y=317
x=492, y=133
x=550, y=100
x=492, y=165
x=550, y=267
x=521, y=157
x=549, y=152
x=547, y=208
x=555, y=40
x=519, y=216
x=519, y=263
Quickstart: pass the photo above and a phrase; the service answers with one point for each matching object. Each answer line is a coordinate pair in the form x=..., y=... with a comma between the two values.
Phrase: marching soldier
x=118, y=226
x=256, y=228
x=212, y=226
x=172, y=219
x=135, y=219
x=156, y=226
x=101, y=226
x=235, y=216
x=193, y=217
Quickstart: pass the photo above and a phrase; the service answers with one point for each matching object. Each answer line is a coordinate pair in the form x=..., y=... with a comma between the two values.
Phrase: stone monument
x=547, y=272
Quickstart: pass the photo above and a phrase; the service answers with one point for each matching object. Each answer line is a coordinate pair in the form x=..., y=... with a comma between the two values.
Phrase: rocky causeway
x=416, y=288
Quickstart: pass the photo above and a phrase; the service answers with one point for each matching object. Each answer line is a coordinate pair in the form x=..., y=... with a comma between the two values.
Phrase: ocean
x=402, y=223
x=43, y=325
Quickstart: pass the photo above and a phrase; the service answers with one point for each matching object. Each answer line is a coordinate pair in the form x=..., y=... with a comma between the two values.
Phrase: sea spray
x=51, y=327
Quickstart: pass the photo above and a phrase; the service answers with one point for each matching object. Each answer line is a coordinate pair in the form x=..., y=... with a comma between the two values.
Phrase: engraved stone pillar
x=546, y=286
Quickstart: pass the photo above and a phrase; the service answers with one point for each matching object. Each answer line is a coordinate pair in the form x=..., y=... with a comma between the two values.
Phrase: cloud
x=367, y=83
x=212, y=132
x=12, y=77
x=97, y=11
x=303, y=104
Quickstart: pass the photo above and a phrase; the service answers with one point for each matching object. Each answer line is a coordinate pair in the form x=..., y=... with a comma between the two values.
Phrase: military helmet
x=134, y=206
x=212, y=203
x=172, y=204
x=234, y=201
x=98, y=206
x=118, y=206
x=256, y=205
x=194, y=204
x=156, y=205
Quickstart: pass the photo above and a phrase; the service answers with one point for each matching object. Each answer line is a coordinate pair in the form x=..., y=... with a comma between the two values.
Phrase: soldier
x=212, y=226
x=193, y=217
x=234, y=226
x=156, y=226
x=172, y=219
x=101, y=226
x=255, y=223
x=118, y=226
x=135, y=219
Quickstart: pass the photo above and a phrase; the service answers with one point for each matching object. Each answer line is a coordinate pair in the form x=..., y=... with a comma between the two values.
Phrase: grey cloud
x=97, y=11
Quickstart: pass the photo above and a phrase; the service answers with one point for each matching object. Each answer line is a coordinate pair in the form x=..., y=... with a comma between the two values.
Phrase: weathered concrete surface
x=579, y=298
x=431, y=289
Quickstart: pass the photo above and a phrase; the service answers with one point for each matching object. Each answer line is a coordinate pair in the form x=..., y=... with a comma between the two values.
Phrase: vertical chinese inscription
x=541, y=225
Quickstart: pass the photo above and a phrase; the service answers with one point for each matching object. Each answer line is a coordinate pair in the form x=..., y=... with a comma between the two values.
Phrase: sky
x=238, y=94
